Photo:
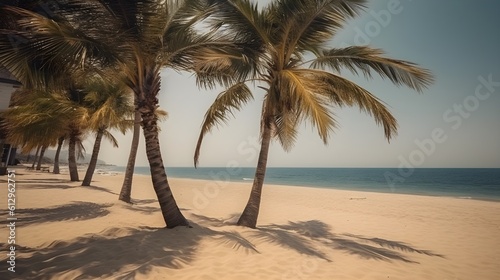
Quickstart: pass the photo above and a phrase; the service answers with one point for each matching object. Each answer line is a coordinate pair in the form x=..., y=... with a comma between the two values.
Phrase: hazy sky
x=455, y=123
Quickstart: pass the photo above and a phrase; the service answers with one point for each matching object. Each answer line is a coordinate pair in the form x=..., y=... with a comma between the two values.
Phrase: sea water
x=473, y=183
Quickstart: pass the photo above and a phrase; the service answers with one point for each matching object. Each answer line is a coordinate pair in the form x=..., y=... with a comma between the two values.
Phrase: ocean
x=469, y=183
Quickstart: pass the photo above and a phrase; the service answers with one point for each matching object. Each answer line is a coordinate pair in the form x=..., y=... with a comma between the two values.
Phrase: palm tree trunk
x=126, y=190
x=171, y=213
x=36, y=157
x=249, y=216
x=56, y=157
x=147, y=104
x=93, y=159
x=73, y=168
x=40, y=158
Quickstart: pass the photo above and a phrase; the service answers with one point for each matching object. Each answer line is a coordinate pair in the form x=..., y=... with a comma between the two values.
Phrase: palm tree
x=60, y=143
x=40, y=158
x=126, y=190
x=297, y=88
x=109, y=106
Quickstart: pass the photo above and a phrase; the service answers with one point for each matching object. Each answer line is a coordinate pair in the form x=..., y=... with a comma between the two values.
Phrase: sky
x=454, y=123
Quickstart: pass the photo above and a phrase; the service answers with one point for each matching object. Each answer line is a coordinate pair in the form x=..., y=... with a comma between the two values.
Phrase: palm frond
x=243, y=19
x=366, y=60
x=305, y=103
x=306, y=25
x=107, y=134
x=226, y=102
x=46, y=49
x=342, y=92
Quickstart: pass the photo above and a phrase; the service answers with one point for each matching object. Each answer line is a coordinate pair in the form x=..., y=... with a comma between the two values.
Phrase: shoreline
x=427, y=183
x=106, y=172
x=66, y=231
x=333, y=188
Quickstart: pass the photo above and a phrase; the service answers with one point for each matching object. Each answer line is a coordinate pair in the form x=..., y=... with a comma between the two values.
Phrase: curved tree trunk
x=73, y=168
x=36, y=157
x=40, y=158
x=93, y=159
x=249, y=216
x=56, y=157
x=147, y=104
x=126, y=191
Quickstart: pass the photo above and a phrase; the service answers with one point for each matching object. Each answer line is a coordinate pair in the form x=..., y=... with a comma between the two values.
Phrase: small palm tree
x=126, y=190
x=109, y=108
x=297, y=88
x=60, y=143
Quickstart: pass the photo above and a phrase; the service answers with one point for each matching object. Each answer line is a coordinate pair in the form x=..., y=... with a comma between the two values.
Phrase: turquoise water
x=476, y=183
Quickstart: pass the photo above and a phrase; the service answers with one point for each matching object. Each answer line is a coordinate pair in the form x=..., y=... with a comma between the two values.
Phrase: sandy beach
x=65, y=231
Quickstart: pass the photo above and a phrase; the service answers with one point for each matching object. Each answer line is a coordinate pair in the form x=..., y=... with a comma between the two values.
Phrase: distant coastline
x=470, y=183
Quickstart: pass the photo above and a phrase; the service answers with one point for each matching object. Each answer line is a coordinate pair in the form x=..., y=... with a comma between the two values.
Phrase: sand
x=66, y=231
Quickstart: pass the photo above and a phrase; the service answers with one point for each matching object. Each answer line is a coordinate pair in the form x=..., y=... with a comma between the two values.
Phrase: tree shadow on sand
x=314, y=238
x=127, y=253
x=307, y=236
x=117, y=253
x=121, y=253
x=44, y=183
x=77, y=210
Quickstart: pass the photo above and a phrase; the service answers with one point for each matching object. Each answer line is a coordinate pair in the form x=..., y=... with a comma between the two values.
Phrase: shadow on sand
x=121, y=253
x=314, y=238
x=77, y=210
x=125, y=253
x=133, y=252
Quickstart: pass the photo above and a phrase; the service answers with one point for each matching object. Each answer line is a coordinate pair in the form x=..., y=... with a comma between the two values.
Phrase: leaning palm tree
x=292, y=69
x=110, y=108
x=126, y=190
x=60, y=142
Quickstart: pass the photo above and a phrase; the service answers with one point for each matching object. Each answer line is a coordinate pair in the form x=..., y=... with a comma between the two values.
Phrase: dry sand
x=66, y=231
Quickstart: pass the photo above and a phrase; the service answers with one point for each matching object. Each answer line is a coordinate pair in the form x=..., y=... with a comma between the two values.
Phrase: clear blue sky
x=458, y=41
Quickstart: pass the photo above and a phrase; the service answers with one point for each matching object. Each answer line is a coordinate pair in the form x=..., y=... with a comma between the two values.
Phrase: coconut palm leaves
x=299, y=89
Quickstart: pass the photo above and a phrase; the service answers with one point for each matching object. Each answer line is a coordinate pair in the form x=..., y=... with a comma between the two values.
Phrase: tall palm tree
x=292, y=69
x=110, y=108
